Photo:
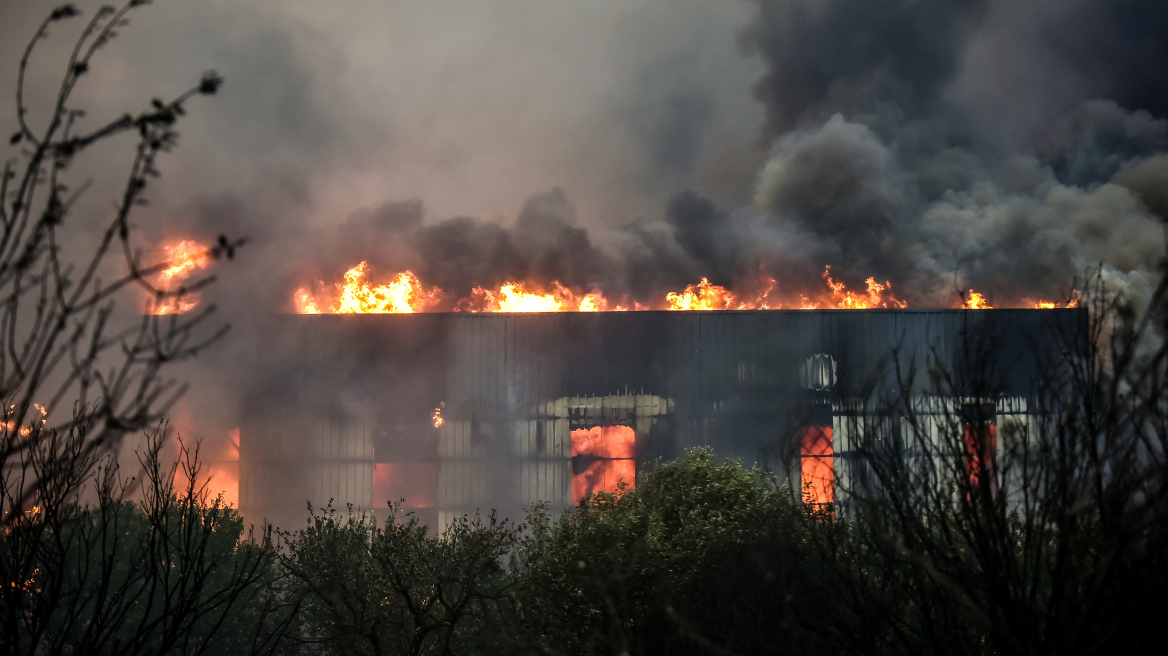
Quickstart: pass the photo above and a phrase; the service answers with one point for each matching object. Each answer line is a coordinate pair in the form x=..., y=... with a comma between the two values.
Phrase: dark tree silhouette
x=73, y=378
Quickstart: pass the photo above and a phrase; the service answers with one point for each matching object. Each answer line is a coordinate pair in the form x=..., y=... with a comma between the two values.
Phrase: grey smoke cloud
x=638, y=146
x=885, y=154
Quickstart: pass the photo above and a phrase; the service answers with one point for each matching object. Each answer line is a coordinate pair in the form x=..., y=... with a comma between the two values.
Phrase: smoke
x=940, y=145
x=887, y=158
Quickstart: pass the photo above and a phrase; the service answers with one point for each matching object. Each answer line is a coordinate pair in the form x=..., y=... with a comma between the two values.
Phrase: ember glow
x=182, y=260
x=436, y=417
x=602, y=458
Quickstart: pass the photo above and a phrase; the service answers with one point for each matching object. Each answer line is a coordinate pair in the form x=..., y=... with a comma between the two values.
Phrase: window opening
x=818, y=465
x=602, y=457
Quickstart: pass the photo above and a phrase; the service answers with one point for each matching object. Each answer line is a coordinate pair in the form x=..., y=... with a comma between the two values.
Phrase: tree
x=74, y=379
x=83, y=568
x=395, y=589
x=165, y=575
x=1045, y=533
x=702, y=557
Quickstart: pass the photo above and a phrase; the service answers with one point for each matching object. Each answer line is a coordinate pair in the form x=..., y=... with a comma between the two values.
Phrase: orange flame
x=405, y=293
x=182, y=260
x=511, y=297
x=1071, y=302
x=402, y=295
x=708, y=296
x=976, y=302
x=846, y=300
x=10, y=424
x=436, y=416
x=703, y=296
x=608, y=459
x=515, y=297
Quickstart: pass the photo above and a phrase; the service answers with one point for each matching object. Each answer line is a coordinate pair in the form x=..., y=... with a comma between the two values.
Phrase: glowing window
x=416, y=482
x=980, y=444
x=818, y=460
x=602, y=457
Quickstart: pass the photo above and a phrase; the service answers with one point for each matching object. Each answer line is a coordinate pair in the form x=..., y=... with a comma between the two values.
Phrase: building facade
x=457, y=413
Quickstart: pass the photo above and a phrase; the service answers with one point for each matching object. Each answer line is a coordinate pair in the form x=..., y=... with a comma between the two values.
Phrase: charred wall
x=350, y=416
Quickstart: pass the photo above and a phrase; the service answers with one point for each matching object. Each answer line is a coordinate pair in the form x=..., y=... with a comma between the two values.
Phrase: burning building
x=457, y=412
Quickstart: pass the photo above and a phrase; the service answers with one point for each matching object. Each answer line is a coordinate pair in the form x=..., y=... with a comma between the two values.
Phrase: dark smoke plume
x=883, y=159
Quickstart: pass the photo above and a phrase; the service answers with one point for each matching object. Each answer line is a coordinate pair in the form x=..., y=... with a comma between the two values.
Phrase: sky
x=635, y=146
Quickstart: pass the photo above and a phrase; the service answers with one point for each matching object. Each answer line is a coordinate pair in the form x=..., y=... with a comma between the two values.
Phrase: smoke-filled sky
x=634, y=146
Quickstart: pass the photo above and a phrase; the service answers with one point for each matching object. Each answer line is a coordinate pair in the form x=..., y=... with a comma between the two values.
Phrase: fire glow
x=818, y=465
x=602, y=458
x=182, y=259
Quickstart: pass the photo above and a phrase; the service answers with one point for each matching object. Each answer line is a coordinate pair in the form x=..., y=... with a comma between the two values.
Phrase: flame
x=404, y=294
x=708, y=296
x=437, y=417
x=1071, y=302
x=976, y=302
x=703, y=296
x=607, y=453
x=846, y=300
x=596, y=302
x=182, y=260
x=515, y=297
x=305, y=304
x=10, y=423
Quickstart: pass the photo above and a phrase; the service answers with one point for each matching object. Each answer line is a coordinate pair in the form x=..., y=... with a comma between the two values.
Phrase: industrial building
x=458, y=412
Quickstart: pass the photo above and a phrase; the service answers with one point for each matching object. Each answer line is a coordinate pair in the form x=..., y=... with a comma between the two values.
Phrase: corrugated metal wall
x=365, y=387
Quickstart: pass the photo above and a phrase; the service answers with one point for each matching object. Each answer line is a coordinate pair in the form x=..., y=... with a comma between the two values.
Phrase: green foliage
x=700, y=557
x=396, y=589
